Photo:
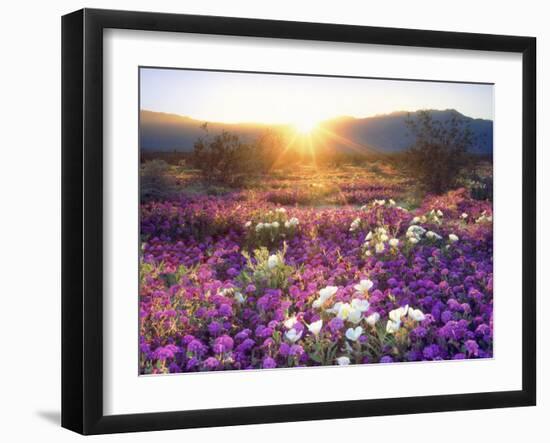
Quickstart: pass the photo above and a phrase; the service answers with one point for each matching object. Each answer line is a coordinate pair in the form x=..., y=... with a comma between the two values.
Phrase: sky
x=232, y=97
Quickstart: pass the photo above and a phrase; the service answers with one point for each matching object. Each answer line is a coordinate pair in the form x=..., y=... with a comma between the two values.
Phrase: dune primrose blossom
x=324, y=295
x=355, y=225
x=292, y=335
x=416, y=314
x=394, y=322
x=392, y=326
x=433, y=236
x=453, y=238
x=396, y=314
x=290, y=322
x=373, y=319
x=273, y=261
x=315, y=327
x=355, y=315
x=360, y=305
x=354, y=334
x=345, y=311
x=343, y=361
x=363, y=286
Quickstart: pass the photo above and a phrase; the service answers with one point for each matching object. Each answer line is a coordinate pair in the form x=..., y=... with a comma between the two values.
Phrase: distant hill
x=385, y=133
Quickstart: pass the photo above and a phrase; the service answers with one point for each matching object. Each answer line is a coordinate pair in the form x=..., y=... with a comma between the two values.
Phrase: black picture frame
x=82, y=218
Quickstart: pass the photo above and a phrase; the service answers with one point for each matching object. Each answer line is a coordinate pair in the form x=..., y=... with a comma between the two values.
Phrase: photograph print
x=292, y=221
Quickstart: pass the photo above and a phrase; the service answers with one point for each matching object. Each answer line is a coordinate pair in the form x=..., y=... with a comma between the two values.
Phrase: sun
x=305, y=125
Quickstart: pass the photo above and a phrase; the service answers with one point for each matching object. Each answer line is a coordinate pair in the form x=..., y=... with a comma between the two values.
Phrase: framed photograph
x=268, y=221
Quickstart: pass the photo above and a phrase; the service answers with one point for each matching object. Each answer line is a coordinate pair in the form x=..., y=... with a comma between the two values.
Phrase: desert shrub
x=267, y=149
x=227, y=159
x=223, y=158
x=156, y=183
x=440, y=151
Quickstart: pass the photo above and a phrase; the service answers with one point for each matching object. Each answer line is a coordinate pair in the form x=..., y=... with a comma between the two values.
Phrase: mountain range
x=387, y=133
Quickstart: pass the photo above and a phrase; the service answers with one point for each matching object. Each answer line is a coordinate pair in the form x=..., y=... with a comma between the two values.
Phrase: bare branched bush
x=440, y=151
x=223, y=158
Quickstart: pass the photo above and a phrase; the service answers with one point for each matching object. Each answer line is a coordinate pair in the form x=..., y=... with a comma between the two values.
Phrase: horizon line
x=290, y=123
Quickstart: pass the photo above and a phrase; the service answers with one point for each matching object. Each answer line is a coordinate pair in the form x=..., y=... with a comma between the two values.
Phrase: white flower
x=354, y=334
x=394, y=323
x=381, y=230
x=364, y=286
x=343, y=361
x=433, y=235
x=355, y=316
x=281, y=210
x=384, y=237
x=248, y=224
x=369, y=236
x=259, y=227
x=415, y=220
x=394, y=242
x=396, y=314
x=439, y=213
x=391, y=202
x=345, y=311
x=464, y=215
x=292, y=335
x=368, y=253
x=273, y=261
x=275, y=225
x=324, y=295
x=373, y=319
x=360, y=305
x=415, y=231
x=226, y=291
x=453, y=238
x=392, y=326
x=328, y=292
x=379, y=248
x=315, y=327
x=484, y=218
x=416, y=314
x=292, y=222
x=342, y=310
x=355, y=225
x=239, y=298
x=379, y=202
x=290, y=322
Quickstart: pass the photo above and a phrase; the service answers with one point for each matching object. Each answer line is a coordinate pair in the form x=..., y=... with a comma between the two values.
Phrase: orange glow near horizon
x=305, y=124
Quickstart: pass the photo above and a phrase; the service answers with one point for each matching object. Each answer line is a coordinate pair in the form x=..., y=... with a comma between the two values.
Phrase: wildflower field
x=311, y=266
